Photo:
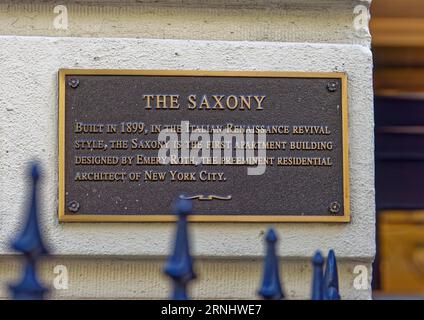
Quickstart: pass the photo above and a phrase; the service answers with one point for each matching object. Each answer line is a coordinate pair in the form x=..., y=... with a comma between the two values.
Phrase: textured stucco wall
x=28, y=129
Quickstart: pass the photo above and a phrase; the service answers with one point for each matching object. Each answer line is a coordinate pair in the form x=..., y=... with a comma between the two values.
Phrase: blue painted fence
x=179, y=267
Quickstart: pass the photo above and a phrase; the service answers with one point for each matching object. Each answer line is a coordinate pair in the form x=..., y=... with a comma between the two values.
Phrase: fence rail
x=179, y=267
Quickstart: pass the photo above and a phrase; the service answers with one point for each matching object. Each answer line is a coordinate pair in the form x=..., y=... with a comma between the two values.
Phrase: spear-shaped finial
x=271, y=285
x=180, y=264
x=317, y=276
x=331, y=278
x=31, y=244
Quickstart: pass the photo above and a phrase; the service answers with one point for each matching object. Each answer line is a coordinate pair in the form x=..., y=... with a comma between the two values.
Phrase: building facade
x=125, y=260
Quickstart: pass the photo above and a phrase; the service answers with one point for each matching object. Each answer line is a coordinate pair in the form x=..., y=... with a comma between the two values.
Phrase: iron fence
x=179, y=266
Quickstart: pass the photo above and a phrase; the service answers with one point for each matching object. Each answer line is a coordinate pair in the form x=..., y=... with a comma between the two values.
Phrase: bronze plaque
x=110, y=167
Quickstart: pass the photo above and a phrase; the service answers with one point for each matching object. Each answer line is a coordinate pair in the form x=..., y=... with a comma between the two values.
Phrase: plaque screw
x=332, y=86
x=334, y=207
x=73, y=206
x=73, y=83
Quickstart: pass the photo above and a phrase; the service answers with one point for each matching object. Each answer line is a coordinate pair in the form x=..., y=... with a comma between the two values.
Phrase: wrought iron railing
x=179, y=266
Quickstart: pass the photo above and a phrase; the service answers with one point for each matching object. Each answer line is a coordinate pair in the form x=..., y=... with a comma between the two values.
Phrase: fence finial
x=331, y=278
x=271, y=285
x=31, y=244
x=317, y=276
x=180, y=265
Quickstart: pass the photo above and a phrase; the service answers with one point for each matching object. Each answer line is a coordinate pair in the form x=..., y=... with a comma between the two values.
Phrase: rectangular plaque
x=109, y=160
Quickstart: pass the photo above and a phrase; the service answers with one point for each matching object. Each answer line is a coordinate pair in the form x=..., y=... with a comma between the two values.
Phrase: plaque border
x=62, y=73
